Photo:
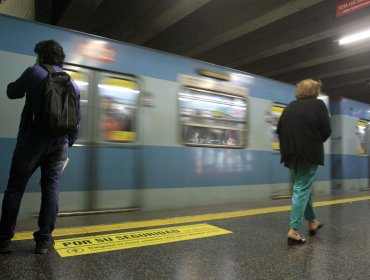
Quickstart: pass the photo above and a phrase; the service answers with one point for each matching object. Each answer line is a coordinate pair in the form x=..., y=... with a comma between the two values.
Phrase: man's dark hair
x=50, y=52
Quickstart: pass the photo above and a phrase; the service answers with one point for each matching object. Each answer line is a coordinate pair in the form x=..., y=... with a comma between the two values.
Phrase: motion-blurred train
x=160, y=131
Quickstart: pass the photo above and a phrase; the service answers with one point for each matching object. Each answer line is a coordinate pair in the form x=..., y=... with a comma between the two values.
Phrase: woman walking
x=303, y=128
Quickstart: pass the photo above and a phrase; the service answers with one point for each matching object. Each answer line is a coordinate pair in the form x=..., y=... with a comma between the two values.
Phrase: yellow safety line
x=180, y=220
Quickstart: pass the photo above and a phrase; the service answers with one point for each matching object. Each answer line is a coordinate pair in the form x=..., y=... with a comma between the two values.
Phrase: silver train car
x=160, y=131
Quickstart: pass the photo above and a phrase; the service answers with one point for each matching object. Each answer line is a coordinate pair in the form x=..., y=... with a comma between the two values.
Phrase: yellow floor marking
x=341, y=201
x=180, y=220
x=124, y=240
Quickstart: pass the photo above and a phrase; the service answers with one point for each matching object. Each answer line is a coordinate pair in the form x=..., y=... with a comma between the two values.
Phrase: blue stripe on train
x=180, y=167
x=348, y=107
x=346, y=167
x=165, y=167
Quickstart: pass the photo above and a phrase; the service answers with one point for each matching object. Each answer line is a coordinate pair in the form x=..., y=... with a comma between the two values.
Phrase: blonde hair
x=308, y=89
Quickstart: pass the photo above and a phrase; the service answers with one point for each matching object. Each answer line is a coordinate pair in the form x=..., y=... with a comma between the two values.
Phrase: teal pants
x=301, y=199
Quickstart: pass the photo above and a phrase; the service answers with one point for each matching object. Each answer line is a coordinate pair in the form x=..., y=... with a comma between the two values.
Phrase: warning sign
x=348, y=6
x=125, y=240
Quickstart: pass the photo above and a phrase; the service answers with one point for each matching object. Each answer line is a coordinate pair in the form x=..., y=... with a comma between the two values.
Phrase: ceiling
x=285, y=40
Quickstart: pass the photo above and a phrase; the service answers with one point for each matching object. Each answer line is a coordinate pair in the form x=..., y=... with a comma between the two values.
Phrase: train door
x=281, y=190
x=114, y=161
x=107, y=144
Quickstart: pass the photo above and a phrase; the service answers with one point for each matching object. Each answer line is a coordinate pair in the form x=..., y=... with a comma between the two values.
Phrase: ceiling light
x=355, y=37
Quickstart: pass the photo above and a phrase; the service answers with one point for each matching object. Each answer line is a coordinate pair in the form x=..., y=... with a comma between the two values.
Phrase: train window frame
x=234, y=131
x=119, y=136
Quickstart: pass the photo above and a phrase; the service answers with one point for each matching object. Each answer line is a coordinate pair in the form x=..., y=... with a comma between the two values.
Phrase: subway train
x=161, y=131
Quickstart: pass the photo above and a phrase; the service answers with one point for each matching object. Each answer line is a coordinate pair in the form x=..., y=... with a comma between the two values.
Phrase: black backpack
x=56, y=109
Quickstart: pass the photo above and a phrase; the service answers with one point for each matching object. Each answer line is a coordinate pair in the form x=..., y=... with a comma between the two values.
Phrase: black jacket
x=303, y=128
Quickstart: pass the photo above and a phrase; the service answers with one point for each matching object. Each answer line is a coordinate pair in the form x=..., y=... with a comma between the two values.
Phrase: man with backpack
x=49, y=125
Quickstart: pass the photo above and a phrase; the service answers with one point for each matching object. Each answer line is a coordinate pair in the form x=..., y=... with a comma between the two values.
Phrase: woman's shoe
x=292, y=241
x=313, y=231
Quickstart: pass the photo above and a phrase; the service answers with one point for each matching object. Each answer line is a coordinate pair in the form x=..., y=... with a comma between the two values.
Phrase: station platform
x=234, y=241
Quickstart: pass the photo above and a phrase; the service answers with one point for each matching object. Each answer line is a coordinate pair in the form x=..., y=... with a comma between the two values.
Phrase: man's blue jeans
x=26, y=159
x=301, y=199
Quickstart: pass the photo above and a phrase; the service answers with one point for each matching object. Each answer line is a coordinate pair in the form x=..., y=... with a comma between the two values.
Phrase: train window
x=82, y=82
x=118, y=105
x=210, y=118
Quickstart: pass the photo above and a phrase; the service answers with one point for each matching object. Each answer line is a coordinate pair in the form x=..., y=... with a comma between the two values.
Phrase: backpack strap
x=48, y=68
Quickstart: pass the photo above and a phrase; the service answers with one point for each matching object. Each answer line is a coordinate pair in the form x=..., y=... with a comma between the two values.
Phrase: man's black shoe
x=42, y=246
x=5, y=246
